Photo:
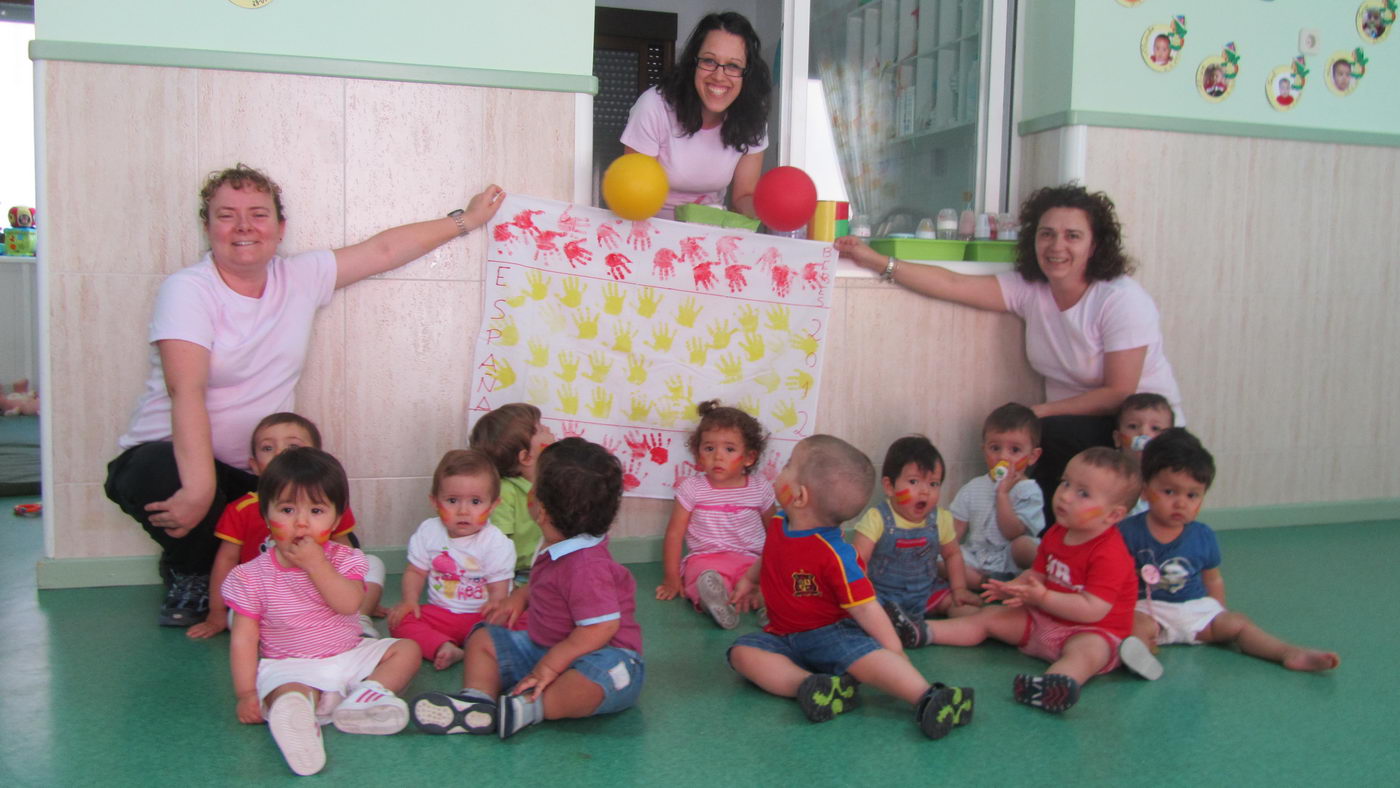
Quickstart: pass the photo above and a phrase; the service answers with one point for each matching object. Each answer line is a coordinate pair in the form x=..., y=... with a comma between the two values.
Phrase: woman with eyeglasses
x=707, y=120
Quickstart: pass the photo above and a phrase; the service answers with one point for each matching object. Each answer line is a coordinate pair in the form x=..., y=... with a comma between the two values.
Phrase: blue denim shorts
x=618, y=671
x=830, y=649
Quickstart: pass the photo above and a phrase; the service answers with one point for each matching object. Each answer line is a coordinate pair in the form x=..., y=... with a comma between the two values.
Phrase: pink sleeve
x=1014, y=292
x=769, y=497
x=349, y=562
x=314, y=273
x=648, y=123
x=685, y=492
x=239, y=593
x=1129, y=319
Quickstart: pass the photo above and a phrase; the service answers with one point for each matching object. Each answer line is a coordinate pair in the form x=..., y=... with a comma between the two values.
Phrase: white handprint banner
x=617, y=329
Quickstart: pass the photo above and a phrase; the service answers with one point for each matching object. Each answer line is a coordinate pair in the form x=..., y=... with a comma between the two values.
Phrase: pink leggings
x=730, y=566
x=436, y=625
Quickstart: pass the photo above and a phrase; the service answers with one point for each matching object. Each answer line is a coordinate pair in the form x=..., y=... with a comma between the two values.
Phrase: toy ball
x=785, y=198
x=635, y=187
x=20, y=216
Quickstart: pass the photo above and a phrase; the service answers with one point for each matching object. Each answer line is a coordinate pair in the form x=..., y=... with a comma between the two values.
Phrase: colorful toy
x=785, y=198
x=20, y=237
x=635, y=186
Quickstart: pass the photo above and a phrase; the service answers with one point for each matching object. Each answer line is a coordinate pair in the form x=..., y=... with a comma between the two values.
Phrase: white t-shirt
x=459, y=569
x=985, y=548
x=257, y=347
x=1067, y=347
x=698, y=168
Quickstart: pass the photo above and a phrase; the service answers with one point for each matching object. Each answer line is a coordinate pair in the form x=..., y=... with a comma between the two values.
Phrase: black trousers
x=147, y=474
x=1062, y=437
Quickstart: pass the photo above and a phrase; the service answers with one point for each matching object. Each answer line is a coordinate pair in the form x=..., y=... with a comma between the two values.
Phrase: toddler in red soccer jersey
x=296, y=653
x=718, y=514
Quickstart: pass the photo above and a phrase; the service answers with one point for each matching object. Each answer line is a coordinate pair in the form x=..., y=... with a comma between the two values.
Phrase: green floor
x=95, y=693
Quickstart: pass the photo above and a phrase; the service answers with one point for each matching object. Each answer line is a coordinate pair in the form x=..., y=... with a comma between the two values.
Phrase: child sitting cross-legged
x=1074, y=605
x=582, y=652
x=826, y=631
x=295, y=607
x=465, y=561
x=1178, y=560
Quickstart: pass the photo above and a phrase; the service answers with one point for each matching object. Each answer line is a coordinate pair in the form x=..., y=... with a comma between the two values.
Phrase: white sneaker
x=372, y=709
x=367, y=628
x=714, y=599
x=1137, y=657
x=292, y=720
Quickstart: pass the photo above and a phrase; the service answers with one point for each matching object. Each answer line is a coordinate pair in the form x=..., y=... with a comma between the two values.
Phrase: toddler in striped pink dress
x=719, y=513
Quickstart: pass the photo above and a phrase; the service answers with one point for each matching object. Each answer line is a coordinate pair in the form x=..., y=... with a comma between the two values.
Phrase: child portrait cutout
x=1375, y=18
x=1281, y=89
x=1161, y=44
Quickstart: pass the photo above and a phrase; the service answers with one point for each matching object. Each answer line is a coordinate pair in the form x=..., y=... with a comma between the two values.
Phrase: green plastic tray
x=920, y=248
x=717, y=217
x=991, y=251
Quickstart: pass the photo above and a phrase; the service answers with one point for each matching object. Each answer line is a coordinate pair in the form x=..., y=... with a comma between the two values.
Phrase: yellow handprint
x=804, y=342
x=753, y=346
x=586, y=322
x=769, y=380
x=749, y=405
x=622, y=337
x=679, y=389
x=637, y=414
x=688, y=312
x=720, y=334
x=517, y=300
x=800, y=381
x=537, y=285
x=574, y=289
x=786, y=414
x=731, y=368
x=698, y=350
x=647, y=302
x=637, y=370
x=778, y=317
x=601, y=406
x=539, y=353
x=661, y=338
x=502, y=373
x=613, y=297
x=555, y=319
x=748, y=318
x=667, y=417
x=509, y=333
x=599, y=367
x=568, y=366
x=568, y=399
x=537, y=391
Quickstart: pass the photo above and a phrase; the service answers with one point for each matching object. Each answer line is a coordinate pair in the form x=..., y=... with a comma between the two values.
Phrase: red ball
x=785, y=198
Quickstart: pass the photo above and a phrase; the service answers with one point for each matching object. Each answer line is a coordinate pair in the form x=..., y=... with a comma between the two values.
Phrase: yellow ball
x=635, y=187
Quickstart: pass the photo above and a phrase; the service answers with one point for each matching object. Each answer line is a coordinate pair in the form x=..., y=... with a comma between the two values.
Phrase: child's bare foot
x=1310, y=659
x=448, y=654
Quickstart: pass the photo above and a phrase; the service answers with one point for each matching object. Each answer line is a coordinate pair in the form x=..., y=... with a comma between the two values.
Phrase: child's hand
x=746, y=595
x=397, y=612
x=1024, y=590
x=670, y=588
x=216, y=622
x=248, y=709
x=964, y=596
x=304, y=553
x=505, y=612
x=537, y=679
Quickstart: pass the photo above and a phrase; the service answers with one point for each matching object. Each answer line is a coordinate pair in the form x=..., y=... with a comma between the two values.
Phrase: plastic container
x=916, y=249
x=991, y=251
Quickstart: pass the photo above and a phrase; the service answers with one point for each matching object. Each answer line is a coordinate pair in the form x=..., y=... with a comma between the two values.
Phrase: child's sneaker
x=823, y=696
x=1053, y=692
x=1137, y=657
x=468, y=711
x=714, y=598
x=517, y=713
x=372, y=709
x=912, y=634
x=941, y=708
x=292, y=720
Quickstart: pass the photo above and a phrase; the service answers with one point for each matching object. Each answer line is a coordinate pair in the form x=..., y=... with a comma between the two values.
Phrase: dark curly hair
x=303, y=469
x=240, y=176
x=1108, y=260
x=579, y=486
x=1175, y=449
x=746, y=121
x=911, y=448
x=714, y=416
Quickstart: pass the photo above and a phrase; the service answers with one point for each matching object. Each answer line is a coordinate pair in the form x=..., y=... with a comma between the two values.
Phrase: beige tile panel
x=642, y=517
x=87, y=525
x=100, y=358
x=120, y=174
x=388, y=510
x=528, y=142
x=321, y=394
x=413, y=152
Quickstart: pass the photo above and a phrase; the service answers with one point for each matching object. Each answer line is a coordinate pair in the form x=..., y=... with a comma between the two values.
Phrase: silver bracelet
x=887, y=275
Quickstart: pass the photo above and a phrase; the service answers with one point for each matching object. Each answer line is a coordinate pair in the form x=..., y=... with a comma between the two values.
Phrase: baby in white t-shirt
x=999, y=515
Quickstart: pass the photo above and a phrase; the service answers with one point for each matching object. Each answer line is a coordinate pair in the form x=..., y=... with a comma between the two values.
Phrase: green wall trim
x=1119, y=120
x=140, y=570
x=309, y=66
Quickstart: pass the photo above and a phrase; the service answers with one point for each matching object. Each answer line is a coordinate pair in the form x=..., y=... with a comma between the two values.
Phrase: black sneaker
x=186, y=600
x=912, y=634
x=823, y=696
x=942, y=708
x=1053, y=692
x=440, y=713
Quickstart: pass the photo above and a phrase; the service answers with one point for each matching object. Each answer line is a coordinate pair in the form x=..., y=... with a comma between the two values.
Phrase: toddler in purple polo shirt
x=582, y=652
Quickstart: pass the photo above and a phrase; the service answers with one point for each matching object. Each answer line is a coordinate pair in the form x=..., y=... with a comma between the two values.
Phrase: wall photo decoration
x=1375, y=18
x=1345, y=70
x=1284, y=87
x=1216, y=75
x=1161, y=44
x=1130, y=3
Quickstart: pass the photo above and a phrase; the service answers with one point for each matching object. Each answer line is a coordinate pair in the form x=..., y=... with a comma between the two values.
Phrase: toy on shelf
x=21, y=235
x=19, y=400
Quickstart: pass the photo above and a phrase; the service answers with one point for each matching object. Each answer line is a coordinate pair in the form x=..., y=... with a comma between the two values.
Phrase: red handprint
x=782, y=280
x=685, y=469
x=656, y=444
x=727, y=247
x=572, y=224
x=571, y=429
x=664, y=263
x=690, y=249
x=577, y=254
x=734, y=275
x=769, y=258
x=640, y=237
x=704, y=277
x=525, y=220
x=770, y=469
x=618, y=266
x=502, y=232
x=613, y=445
x=636, y=441
x=631, y=480
x=814, y=275
x=607, y=235
x=544, y=243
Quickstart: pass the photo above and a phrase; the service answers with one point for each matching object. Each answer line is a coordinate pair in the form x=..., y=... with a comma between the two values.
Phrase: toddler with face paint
x=296, y=654
x=719, y=513
x=465, y=562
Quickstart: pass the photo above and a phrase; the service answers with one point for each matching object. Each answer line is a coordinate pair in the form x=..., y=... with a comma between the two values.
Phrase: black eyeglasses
x=710, y=64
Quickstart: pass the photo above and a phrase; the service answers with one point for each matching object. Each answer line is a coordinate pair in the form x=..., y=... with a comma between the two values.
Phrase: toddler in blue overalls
x=900, y=539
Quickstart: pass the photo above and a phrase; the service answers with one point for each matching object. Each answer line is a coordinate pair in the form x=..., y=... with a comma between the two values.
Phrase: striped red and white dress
x=728, y=520
x=293, y=619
